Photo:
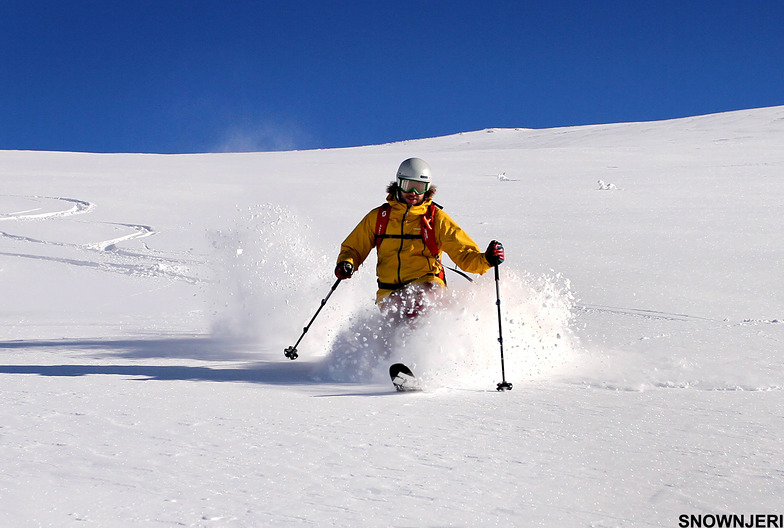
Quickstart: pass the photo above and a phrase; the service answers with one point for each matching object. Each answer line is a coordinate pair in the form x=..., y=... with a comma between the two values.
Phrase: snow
x=147, y=300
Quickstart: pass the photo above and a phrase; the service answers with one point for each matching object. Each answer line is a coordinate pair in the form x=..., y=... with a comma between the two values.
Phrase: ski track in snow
x=669, y=316
x=648, y=314
x=140, y=231
x=112, y=258
x=77, y=207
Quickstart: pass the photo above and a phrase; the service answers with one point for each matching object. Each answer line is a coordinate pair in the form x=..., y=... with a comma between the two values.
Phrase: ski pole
x=504, y=385
x=291, y=352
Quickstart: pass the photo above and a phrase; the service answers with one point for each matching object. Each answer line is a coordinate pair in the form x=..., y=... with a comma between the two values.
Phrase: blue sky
x=204, y=76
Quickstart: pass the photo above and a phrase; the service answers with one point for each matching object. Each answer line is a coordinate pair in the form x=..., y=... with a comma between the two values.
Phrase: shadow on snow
x=276, y=372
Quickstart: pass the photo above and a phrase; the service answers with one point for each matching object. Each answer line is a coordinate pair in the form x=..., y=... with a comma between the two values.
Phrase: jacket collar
x=402, y=206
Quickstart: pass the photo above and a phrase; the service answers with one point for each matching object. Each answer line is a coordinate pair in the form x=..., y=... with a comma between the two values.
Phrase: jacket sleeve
x=360, y=241
x=458, y=245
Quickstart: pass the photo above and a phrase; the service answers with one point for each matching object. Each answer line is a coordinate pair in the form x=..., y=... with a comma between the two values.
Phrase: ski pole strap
x=465, y=276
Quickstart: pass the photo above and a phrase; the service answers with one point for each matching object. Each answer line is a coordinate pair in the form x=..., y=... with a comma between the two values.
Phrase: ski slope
x=147, y=300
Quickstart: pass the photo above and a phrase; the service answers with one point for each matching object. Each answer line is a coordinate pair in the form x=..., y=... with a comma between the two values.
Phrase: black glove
x=494, y=253
x=344, y=270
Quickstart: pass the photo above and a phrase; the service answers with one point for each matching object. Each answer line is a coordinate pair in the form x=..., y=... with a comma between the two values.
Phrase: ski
x=403, y=379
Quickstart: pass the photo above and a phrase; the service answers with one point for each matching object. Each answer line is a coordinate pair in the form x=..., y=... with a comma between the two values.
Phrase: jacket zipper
x=402, y=241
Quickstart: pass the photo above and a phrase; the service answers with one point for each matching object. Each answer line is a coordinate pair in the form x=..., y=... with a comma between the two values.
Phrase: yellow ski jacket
x=402, y=260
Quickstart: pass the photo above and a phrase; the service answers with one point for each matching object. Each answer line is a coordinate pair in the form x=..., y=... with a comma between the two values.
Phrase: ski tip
x=403, y=379
x=399, y=368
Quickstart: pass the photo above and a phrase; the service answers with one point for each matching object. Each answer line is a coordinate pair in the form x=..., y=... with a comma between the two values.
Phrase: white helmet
x=413, y=170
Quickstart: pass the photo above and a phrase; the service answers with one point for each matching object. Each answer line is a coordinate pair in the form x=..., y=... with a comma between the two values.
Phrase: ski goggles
x=418, y=187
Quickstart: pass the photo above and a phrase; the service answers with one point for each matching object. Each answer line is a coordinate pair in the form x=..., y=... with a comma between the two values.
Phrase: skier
x=410, y=232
